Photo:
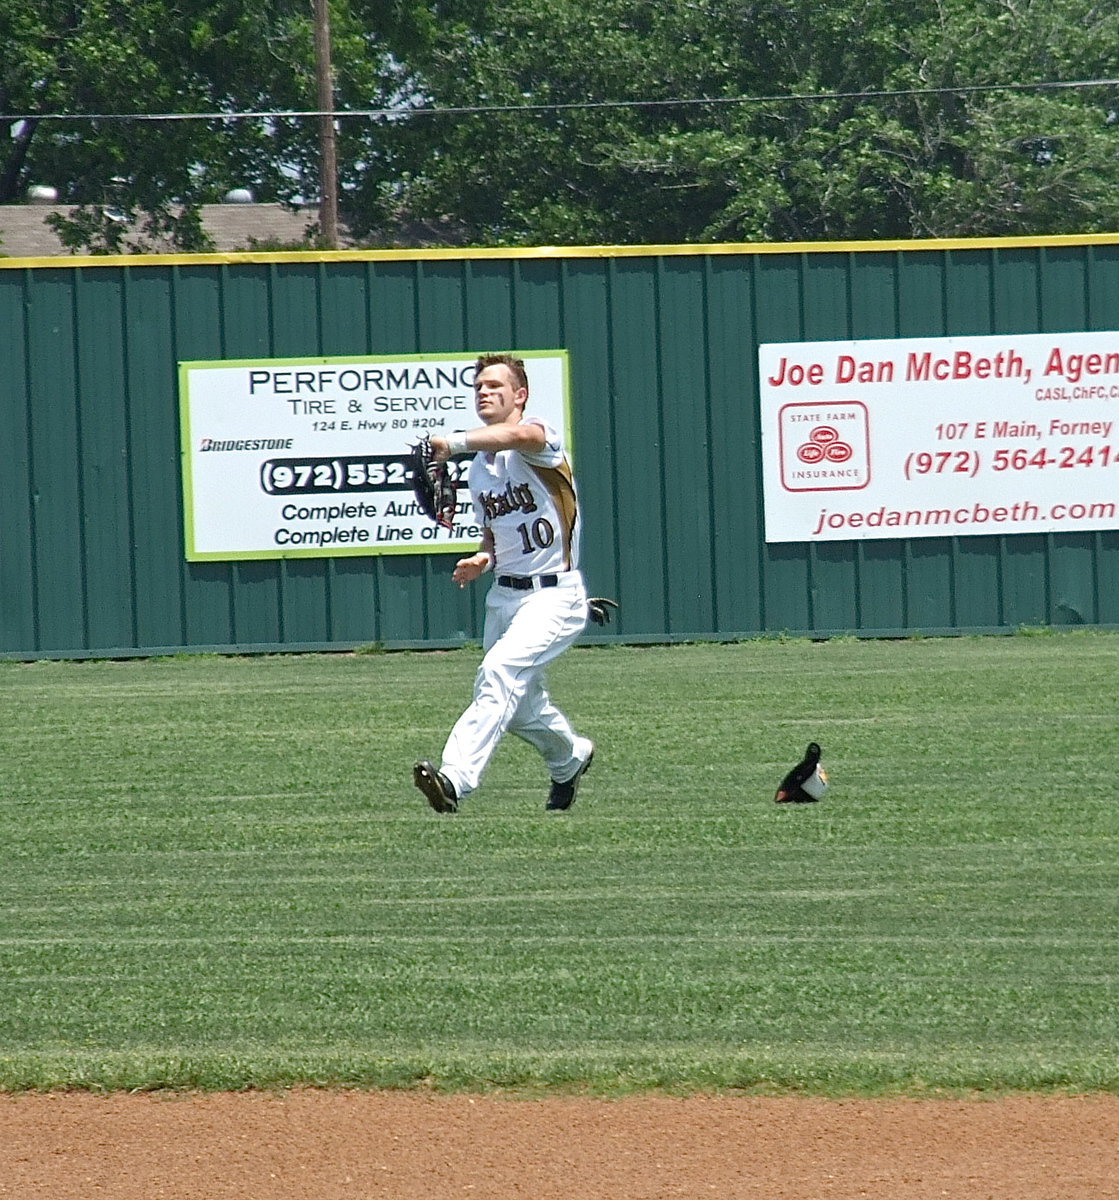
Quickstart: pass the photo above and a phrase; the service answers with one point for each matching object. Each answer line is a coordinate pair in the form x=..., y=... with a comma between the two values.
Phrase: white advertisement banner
x=929, y=437
x=307, y=457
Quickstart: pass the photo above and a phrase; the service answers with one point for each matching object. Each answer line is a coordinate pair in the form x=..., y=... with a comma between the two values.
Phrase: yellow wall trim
x=465, y=254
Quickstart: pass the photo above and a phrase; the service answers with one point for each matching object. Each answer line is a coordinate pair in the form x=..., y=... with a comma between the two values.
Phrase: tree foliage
x=191, y=56
x=843, y=162
x=555, y=121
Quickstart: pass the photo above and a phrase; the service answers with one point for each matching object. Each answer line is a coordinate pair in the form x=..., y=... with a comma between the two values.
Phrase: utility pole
x=328, y=157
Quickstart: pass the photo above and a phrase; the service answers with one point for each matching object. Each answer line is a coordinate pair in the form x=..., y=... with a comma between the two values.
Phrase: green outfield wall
x=664, y=386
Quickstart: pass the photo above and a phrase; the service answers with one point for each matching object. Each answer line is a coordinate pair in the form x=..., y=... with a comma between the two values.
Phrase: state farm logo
x=825, y=447
x=824, y=443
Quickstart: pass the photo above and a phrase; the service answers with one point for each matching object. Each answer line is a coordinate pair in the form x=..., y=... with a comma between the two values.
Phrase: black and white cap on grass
x=806, y=782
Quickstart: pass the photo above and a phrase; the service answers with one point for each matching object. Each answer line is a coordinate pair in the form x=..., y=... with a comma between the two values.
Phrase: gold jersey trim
x=560, y=486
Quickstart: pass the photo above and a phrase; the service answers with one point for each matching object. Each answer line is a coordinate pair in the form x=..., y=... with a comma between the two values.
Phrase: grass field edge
x=892, y=1076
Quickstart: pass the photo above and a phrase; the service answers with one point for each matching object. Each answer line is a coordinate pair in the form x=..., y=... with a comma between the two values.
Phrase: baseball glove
x=806, y=782
x=598, y=609
x=432, y=483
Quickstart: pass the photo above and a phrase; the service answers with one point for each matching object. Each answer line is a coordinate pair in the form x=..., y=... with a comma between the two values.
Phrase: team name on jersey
x=517, y=497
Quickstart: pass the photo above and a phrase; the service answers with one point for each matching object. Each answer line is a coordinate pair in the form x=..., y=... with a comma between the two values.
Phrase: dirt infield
x=315, y=1145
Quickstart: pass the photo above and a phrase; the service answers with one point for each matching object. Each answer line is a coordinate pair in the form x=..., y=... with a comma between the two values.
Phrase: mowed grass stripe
x=220, y=875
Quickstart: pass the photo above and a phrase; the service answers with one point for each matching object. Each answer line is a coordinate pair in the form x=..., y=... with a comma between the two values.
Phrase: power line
x=406, y=113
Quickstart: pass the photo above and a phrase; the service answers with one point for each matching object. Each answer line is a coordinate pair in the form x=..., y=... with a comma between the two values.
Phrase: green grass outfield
x=217, y=874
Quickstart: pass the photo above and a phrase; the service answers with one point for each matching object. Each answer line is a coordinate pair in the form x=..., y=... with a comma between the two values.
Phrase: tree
x=536, y=121
x=823, y=158
x=144, y=179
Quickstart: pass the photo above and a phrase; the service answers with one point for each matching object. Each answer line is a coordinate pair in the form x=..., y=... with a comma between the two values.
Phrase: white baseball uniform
x=536, y=609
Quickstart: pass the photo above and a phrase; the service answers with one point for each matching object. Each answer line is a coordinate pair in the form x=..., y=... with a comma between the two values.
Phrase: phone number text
x=369, y=473
x=971, y=462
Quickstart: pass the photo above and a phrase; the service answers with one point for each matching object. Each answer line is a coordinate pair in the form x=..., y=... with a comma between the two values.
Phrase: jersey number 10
x=539, y=536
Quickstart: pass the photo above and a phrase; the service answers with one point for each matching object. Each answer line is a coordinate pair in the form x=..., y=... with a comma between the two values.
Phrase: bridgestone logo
x=250, y=444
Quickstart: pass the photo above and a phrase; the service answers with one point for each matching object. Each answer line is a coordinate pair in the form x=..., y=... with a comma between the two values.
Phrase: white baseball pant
x=524, y=631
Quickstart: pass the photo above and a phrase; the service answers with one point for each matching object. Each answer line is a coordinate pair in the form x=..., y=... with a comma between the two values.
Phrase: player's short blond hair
x=516, y=367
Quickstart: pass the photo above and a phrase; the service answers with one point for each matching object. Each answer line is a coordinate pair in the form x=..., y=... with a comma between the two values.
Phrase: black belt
x=525, y=583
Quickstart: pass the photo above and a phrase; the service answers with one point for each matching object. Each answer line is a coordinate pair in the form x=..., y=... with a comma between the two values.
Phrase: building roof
x=24, y=234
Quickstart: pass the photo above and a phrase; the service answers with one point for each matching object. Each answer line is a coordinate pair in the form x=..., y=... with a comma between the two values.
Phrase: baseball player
x=524, y=498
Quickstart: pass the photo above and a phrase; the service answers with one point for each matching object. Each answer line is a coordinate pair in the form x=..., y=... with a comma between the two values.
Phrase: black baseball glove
x=432, y=483
x=806, y=782
x=598, y=609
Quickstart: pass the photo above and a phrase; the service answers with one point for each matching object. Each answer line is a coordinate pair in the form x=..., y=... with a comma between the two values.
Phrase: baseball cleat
x=562, y=795
x=806, y=782
x=436, y=787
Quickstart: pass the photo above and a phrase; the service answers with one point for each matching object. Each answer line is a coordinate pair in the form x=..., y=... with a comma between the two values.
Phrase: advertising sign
x=307, y=457
x=928, y=437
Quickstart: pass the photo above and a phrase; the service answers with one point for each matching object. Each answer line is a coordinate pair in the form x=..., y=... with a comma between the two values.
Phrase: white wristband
x=456, y=442
x=489, y=560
